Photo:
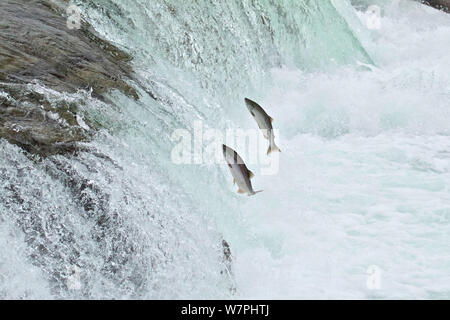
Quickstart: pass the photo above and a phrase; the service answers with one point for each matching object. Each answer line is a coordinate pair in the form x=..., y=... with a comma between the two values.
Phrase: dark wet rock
x=226, y=253
x=227, y=261
x=439, y=4
x=37, y=46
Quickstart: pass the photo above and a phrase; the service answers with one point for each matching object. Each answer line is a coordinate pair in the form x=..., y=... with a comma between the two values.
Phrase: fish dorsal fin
x=240, y=191
x=250, y=174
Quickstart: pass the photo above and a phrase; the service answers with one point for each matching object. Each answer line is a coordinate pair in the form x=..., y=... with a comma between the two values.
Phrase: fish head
x=250, y=105
x=227, y=153
x=231, y=156
x=224, y=148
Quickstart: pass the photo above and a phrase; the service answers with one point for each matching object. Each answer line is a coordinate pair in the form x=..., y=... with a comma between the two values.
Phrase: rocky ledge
x=36, y=46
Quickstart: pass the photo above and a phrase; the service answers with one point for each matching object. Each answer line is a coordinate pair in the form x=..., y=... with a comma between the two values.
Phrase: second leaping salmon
x=239, y=171
x=264, y=122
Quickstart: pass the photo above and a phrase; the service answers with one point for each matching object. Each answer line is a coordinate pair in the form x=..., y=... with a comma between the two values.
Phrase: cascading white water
x=364, y=179
x=364, y=170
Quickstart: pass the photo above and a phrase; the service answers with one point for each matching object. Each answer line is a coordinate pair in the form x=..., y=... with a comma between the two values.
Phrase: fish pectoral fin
x=250, y=174
x=240, y=191
x=234, y=181
x=272, y=149
x=252, y=194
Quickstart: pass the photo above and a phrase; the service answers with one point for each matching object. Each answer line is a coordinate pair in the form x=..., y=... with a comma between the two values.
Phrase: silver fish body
x=264, y=122
x=239, y=171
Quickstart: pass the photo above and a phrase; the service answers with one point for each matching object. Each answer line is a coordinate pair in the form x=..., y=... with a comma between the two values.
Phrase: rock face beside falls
x=439, y=4
x=36, y=46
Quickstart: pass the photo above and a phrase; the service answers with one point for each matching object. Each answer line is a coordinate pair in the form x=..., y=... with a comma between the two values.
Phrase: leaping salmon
x=264, y=122
x=239, y=171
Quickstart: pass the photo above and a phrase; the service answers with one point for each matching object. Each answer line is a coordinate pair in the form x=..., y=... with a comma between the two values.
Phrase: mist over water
x=363, y=118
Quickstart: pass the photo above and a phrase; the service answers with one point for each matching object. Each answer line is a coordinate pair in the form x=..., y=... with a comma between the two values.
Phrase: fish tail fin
x=272, y=148
x=259, y=191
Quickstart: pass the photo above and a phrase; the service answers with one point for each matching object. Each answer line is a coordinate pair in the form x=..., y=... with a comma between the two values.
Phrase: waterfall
x=363, y=176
